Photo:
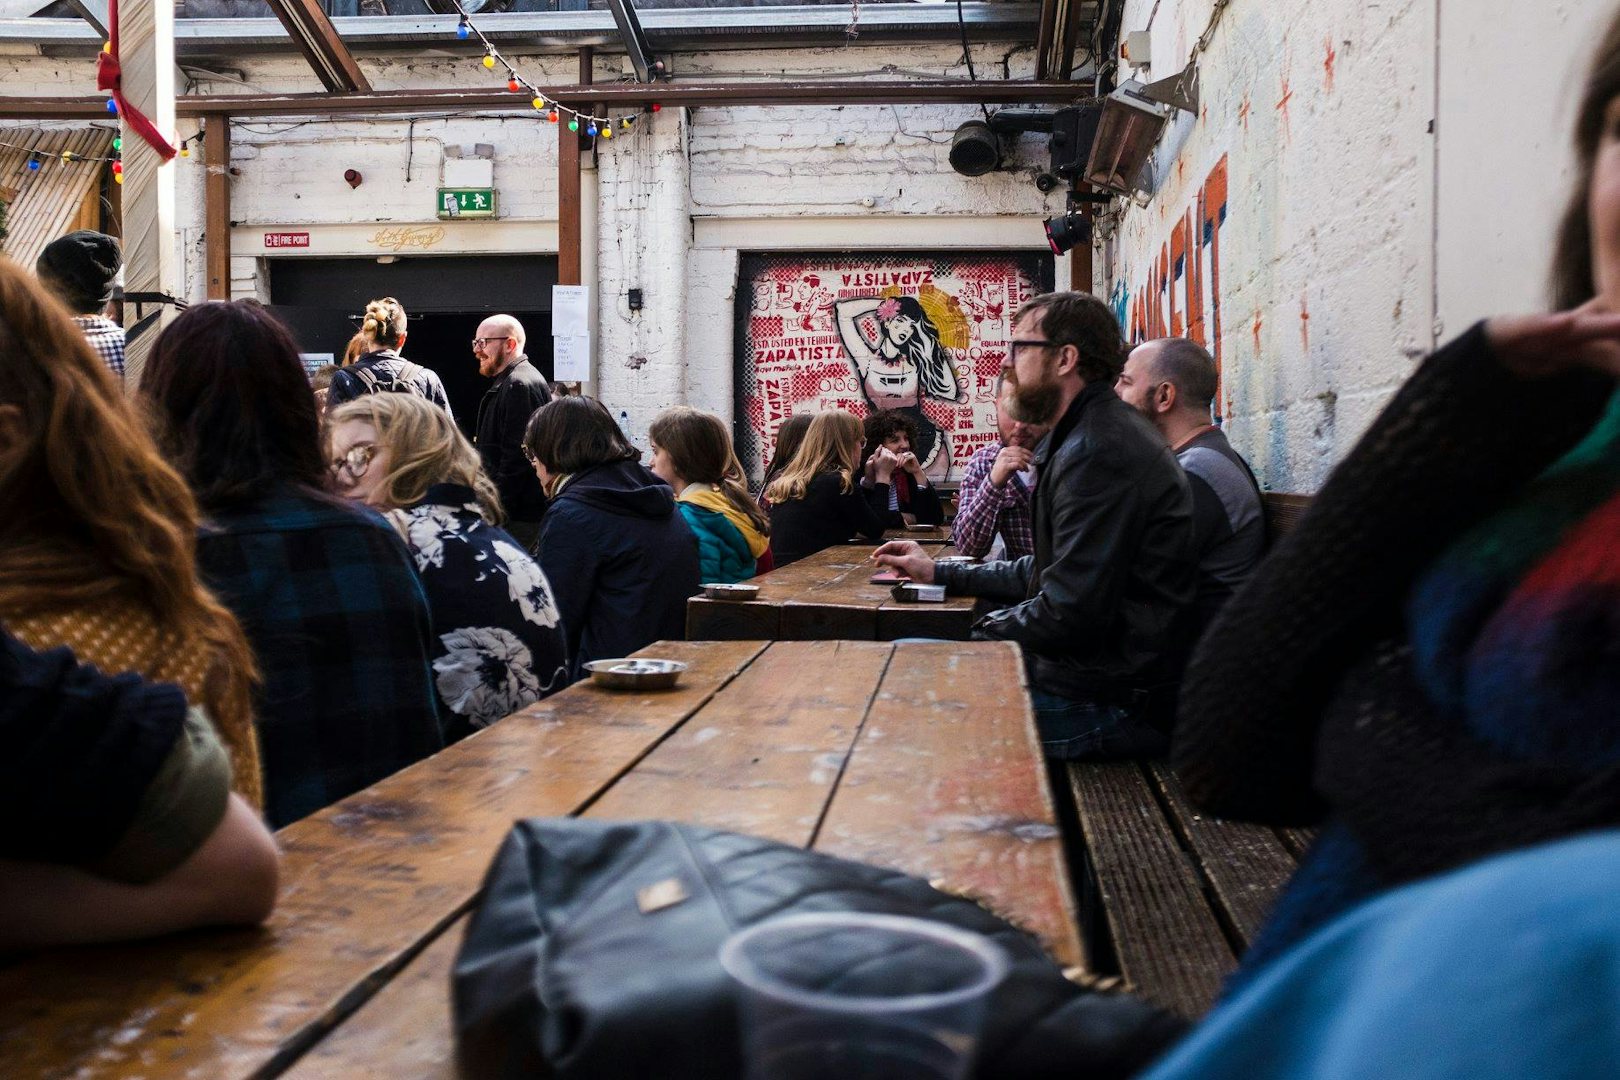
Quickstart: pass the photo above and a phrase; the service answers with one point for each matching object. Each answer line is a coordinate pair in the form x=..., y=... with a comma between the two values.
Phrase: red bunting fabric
x=109, y=76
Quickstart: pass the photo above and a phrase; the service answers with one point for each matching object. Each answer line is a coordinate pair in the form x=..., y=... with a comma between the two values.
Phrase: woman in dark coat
x=620, y=557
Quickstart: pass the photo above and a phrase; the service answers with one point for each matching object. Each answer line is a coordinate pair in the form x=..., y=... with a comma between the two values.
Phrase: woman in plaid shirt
x=325, y=590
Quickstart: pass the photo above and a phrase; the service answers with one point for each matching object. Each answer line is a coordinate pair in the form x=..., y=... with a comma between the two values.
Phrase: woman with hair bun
x=380, y=368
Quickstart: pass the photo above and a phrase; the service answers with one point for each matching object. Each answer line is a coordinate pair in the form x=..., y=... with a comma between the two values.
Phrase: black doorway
x=445, y=297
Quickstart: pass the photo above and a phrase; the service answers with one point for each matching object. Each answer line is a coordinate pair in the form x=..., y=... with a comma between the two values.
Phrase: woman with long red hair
x=98, y=533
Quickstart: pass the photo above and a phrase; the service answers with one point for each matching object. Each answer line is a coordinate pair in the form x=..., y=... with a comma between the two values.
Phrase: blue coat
x=621, y=562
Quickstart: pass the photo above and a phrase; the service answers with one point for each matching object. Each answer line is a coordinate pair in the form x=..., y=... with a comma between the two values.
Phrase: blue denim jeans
x=1087, y=731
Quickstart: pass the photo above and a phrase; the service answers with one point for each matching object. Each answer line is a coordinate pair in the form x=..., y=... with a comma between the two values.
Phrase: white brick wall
x=811, y=170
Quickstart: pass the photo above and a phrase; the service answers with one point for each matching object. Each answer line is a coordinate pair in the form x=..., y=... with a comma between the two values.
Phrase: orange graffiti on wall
x=1181, y=296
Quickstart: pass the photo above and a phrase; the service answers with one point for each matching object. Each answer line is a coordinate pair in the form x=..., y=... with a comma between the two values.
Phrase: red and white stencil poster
x=925, y=333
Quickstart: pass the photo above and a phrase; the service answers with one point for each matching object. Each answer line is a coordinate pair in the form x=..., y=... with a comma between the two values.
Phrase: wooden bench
x=1170, y=897
x=1283, y=512
x=922, y=757
x=827, y=596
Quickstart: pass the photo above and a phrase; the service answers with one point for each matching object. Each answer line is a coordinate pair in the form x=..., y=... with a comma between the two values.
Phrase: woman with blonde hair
x=817, y=500
x=97, y=542
x=379, y=368
x=500, y=643
x=692, y=453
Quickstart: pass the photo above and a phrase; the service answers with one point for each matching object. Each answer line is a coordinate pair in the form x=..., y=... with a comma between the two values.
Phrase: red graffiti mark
x=1243, y=113
x=1282, y=104
x=1327, y=64
x=1181, y=294
x=1181, y=170
x=1258, y=323
x=1203, y=114
x=1304, y=323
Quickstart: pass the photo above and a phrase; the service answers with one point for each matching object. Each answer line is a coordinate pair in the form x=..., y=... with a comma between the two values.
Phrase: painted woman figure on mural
x=901, y=365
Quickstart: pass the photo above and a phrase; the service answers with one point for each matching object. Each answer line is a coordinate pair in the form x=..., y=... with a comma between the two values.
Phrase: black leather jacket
x=1101, y=608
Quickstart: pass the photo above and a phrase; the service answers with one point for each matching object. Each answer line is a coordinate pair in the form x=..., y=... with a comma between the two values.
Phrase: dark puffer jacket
x=621, y=561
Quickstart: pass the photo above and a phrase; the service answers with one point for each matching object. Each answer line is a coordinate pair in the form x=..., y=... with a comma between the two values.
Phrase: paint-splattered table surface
x=828, y=596
x=922, y=757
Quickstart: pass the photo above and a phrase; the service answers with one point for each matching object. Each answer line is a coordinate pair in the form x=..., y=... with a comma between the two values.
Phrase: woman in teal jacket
x=692, y=453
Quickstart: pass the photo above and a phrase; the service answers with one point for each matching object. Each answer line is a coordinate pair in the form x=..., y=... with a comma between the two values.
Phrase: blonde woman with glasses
x=500, y=643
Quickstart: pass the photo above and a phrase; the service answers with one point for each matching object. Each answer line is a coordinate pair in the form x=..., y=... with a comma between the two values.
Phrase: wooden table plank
x=404, y=1031
x=1245, y=865
x=365, y=884
x=763, y=756
x=947, y=783
x=760, y=619
x=934, y=534
x=1167, y=940
x=386, y=1039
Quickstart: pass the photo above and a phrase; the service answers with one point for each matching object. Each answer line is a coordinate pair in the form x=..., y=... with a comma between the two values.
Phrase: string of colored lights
x=595, y=126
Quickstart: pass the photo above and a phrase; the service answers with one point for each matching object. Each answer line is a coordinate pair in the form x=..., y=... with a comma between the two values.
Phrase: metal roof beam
x=634, y=38
x=788, y=91
x=306, y=23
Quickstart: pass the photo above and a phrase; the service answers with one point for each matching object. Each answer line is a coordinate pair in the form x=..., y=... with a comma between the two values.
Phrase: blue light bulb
x=33, y=164
x=112, y=106
x=591, y=130
x=463, y=31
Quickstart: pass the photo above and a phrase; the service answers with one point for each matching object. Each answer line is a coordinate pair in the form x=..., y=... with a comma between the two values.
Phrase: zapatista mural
x=924, y=333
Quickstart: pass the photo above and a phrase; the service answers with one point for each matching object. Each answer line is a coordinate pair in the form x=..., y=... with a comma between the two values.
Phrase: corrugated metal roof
x=45, y=203
x=668, y=28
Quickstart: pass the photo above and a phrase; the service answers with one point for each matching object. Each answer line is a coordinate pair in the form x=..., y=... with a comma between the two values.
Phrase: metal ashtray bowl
x=923, y=528
x=956, y=559
x=635, y=673
x=731, y=592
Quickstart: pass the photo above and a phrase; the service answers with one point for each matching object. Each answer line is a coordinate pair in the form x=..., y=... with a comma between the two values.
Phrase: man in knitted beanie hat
x=81, y=269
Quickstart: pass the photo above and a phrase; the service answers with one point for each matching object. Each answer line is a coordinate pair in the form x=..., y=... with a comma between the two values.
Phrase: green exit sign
x=466, y=202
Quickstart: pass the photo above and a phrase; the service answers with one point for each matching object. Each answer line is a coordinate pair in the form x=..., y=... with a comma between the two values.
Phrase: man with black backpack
x=383, y=370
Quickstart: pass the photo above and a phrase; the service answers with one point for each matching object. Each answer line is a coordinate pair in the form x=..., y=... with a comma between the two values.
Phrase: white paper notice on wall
x=570, y=310
x=571, y=358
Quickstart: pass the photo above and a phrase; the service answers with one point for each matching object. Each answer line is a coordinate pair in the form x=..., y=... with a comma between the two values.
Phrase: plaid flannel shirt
x=337, y=617
x=983, y=510
x=107, y=338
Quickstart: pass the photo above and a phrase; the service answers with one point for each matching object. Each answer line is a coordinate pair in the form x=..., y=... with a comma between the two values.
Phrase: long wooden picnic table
x=922, y=757
x=826, y=596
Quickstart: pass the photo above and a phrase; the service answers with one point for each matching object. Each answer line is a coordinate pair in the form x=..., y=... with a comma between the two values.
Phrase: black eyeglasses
x=480, y=342
x=1031, y=343
x=357, y=459
x=529, y=454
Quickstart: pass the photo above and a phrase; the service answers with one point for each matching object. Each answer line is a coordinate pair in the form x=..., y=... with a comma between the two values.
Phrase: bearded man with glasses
x=1100, y=609
x=503, y=416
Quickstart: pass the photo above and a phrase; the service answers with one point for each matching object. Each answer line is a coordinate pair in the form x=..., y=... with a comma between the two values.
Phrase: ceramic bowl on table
x=731, y=592
x=956, y=559
x=635, y=673
x=924, y=528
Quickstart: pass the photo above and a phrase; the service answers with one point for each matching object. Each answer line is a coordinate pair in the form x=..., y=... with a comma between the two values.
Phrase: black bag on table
x=594, y=952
